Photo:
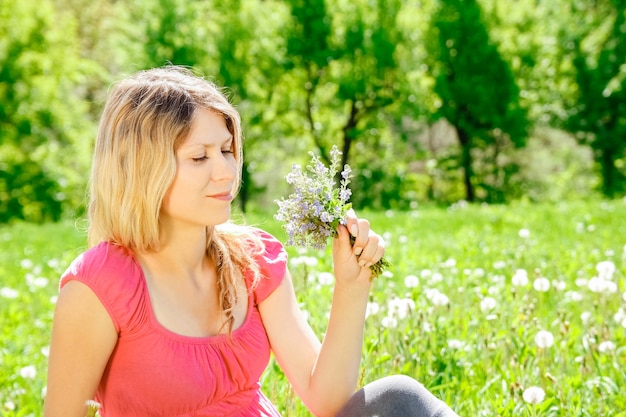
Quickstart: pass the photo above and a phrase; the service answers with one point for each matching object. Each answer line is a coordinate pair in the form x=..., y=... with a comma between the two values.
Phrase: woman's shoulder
x=114, y=276
x=105, y=257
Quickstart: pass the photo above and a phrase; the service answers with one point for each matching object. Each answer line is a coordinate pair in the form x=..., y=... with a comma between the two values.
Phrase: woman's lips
x=222, y=196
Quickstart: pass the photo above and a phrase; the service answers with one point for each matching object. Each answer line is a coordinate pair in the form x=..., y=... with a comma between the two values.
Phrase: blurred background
x=432, y=102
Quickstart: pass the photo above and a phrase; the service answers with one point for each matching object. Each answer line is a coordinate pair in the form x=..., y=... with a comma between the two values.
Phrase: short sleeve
x=111, y=272
x=272, y=266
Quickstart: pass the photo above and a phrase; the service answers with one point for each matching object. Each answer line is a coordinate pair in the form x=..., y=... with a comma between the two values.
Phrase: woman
x=173, y=311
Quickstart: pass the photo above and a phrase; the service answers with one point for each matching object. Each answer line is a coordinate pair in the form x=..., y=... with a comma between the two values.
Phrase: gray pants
x=395, y=396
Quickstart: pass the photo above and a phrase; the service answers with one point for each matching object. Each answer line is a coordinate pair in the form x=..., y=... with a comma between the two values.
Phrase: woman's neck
x=182, y=253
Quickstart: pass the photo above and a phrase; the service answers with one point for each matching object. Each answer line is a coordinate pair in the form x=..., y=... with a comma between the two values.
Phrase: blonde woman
x=173, y=311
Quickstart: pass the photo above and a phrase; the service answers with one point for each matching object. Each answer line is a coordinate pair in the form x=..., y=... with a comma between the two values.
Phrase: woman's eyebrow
x=217, y=144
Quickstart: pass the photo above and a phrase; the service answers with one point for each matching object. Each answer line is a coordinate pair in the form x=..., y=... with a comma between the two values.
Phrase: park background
x=486, y=138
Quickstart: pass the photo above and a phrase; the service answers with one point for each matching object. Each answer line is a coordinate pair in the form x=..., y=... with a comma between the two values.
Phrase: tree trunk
x=466, y=162
x=609, y=172
x=351, y=123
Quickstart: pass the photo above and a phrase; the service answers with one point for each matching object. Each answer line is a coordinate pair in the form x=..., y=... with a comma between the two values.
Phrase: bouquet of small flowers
x=311, y=214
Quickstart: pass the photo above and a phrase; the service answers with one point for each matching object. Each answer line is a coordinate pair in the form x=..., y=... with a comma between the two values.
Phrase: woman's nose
x=224, y=168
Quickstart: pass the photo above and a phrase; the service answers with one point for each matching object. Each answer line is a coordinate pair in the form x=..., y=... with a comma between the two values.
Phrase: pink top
x=155, y=372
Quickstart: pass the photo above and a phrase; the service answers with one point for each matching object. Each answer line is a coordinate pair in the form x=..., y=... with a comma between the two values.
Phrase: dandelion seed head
x=605, y=269
x=389, y=322
x=26, y=263
x=372, y=308
x=411, y=281
x=455, y=344
x=449, y=263
x=9, y=293
x=435, y=278
x=606, y=346
x=488, y=304
x=28, y=372
x=499, y=265
x=400, y=307
x=541, y=284
x=581, y=282
x=303, y=260
x=520, y=278
x=493, y=290
x=585, y=316
x=387, y=274
x=573, y=296
x=524, y=233
x=325, y=278
x=601, y=286
x=436, y=297
x=544, y=339
x=534, y=395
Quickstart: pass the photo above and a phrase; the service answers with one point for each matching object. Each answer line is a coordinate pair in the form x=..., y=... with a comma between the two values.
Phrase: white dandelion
x=389, y=322
x=372, y=308
x=28, y=372
x=606, y=347
x=534, y=395
x=544, y=339
x=605, y=269
x=541, y=284
x=585, y=316
x=520, y=278
x=488, y=304
x=455, y=344
x=436, y=297
x=411, y=281
x=524, y=233
x=559, y=285
x=9, y=293
x=325, y=278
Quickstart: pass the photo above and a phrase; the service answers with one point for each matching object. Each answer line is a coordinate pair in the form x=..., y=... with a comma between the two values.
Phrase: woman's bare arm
x=83, y=337
x=325, y=375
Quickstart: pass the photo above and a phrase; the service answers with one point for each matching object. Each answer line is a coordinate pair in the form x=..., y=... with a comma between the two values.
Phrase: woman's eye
x=200, y=158
x=227, y=150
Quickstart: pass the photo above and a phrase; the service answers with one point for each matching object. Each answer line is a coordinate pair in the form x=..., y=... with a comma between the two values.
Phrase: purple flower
x=316, y=207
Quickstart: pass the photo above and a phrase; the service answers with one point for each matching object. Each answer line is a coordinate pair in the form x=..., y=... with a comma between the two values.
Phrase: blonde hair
x=146, y=118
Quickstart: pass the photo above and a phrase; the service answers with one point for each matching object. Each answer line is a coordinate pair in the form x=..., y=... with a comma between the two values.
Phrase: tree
x=599, y=116
x=41, y=117
x=342, y=61
x=475, y=86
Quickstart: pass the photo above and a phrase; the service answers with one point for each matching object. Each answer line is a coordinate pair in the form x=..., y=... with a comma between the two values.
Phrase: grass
x=477, y=351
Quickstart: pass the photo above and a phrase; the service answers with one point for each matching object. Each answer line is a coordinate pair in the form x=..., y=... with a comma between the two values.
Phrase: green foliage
x=477, y=355
x=600, y=114
x=26, y=192
x=371, y=77
x=475, y=86
x=41, y=116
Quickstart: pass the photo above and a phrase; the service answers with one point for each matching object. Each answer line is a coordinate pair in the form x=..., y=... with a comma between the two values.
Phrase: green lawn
x=453, y=311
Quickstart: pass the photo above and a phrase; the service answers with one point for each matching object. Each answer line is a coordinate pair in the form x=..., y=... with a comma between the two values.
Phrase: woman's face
x=206, y=171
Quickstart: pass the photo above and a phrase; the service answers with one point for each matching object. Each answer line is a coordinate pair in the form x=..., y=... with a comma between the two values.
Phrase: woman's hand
x=352, y=261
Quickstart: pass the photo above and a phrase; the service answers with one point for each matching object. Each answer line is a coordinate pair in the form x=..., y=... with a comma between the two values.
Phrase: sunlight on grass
x=482, y=303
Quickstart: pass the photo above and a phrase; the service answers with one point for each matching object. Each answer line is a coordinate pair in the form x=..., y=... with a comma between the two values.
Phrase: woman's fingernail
x=367, y=265
x=362, y=263
x=357, y=251
x=354, y=230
